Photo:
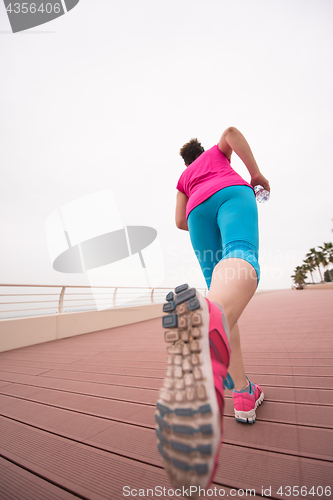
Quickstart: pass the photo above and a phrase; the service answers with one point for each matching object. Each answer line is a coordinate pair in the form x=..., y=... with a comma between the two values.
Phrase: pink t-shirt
x=209, y=173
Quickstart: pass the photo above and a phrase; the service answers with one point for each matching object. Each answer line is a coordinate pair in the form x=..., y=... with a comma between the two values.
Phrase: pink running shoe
x=190, y=407
x=246, y=403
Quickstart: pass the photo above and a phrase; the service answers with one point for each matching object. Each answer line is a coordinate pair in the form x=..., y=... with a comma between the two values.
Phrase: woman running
x=218, y=208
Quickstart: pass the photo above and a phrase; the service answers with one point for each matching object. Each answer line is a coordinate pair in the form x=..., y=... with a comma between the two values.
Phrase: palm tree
x=318, y=258
x=322, y=259
x=299, y=277
x=327, y=250
x=309, y=266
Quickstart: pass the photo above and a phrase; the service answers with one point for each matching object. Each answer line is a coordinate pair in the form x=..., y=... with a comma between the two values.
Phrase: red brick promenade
x=77, y=415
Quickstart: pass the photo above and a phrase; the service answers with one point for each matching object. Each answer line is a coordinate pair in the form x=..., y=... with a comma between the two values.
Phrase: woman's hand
x=260, y=180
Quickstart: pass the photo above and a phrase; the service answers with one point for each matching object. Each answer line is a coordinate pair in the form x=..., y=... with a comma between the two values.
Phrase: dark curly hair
x=191, y=151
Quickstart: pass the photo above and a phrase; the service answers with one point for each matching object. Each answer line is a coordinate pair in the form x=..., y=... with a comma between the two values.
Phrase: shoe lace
x=222, y=370
x=228, y=383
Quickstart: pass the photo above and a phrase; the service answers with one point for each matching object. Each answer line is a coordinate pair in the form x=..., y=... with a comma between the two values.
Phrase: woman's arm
x=233, y=140
x=181, y=203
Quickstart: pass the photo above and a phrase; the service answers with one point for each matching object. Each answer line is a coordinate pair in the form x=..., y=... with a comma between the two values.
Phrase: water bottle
x=262, y=195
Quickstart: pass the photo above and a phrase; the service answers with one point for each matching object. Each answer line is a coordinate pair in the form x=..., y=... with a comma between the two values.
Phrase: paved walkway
x=77, y=415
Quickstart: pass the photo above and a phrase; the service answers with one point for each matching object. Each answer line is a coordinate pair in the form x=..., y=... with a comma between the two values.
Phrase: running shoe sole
x=188, y=420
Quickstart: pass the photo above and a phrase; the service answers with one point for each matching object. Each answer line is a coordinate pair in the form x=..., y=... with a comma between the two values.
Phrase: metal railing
x=50, y=299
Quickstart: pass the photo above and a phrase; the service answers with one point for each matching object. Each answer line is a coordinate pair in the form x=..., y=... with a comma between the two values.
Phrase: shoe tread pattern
x=183, y=415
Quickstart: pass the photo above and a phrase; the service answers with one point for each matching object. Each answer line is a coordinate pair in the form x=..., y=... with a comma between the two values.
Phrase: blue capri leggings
x=225, y=226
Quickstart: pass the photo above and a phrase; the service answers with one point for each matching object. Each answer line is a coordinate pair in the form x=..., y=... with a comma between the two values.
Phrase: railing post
x=114, y=297
x=152, y=296
x=61, y=300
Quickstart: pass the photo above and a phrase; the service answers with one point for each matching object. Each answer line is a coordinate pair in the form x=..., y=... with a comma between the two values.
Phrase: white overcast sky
x=104, y=96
